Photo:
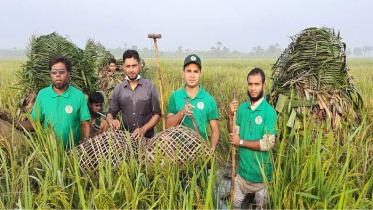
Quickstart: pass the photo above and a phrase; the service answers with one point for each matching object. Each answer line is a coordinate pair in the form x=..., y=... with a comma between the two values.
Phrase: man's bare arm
x=104, y=126
x=263, y=144
x=112, y=122
x=22, y=124
x=86, y=129
x=215, y=133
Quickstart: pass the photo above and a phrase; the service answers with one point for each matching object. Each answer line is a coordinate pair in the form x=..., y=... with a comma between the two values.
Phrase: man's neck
x=93, y=115
x=133, y=83
x=60, y=91
x=192, y=91
x=255, y=104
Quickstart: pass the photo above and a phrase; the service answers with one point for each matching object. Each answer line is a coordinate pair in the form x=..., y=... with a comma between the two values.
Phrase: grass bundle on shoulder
x=35, y=72
x=311, y=79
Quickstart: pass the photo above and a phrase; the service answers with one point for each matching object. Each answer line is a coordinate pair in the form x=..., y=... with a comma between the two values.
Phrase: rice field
x=312, y=168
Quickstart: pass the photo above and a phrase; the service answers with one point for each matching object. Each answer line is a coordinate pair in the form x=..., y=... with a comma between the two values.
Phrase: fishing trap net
x=180, y=144
x=116, y=146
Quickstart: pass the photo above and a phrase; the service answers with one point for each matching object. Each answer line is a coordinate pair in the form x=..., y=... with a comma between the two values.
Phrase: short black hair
x=257, y=71
x=131, y=54
x=59, y=58
x=95, y=97
x=112, y=60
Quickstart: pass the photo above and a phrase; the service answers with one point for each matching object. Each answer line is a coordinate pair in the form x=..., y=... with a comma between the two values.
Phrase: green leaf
x=307, y=195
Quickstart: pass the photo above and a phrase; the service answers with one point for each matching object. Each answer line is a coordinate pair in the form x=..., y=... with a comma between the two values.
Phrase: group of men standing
x=65, y=108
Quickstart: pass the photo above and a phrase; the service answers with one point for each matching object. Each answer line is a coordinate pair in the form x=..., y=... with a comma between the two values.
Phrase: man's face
x=60, y=76
x=95, y=107
x=255, y=87
x=112, y=67
x=131, y=67
x=192, y=75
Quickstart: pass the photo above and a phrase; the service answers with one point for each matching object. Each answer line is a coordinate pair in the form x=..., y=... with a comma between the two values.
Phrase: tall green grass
x=8, y=78
x=312, y=168
x=42, y=175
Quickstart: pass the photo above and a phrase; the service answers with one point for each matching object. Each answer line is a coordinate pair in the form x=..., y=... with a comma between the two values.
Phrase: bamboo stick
x=0, y=97
x=160, y=84
x=233, y=172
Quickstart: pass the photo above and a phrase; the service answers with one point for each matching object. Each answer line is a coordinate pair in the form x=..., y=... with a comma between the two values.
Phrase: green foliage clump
x=312, y=72
x=85, y=64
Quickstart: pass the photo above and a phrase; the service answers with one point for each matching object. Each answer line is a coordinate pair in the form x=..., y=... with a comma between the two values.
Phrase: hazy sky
x=239, y=25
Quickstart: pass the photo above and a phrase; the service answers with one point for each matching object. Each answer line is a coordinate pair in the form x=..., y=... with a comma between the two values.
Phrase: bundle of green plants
x=311, y=79
x=35, y=72
x=108, y=80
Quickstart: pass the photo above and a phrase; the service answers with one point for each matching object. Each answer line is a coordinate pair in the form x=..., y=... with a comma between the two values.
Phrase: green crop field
x=313, y=168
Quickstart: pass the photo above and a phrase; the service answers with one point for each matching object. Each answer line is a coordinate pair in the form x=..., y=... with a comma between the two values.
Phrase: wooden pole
x=160, y=84
x=0, y=97
x=233, y=172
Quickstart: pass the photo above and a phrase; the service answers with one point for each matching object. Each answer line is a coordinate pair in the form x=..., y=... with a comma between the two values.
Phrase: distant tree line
x=360, y=52
x=12, y=53
x=217, y=51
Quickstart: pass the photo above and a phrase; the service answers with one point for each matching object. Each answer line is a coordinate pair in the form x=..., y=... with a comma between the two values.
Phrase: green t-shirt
x=253, y=125
x=205, y=110
x=63, y=112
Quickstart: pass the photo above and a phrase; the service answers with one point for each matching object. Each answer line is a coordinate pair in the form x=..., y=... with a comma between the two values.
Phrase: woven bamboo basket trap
x=116, y=146
x=178, y=143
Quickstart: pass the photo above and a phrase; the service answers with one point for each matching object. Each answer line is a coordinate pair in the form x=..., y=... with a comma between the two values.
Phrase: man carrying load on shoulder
x=110, y=79
x=115, y=76
x=192, y=105
x=256, y=125
x=61, y=106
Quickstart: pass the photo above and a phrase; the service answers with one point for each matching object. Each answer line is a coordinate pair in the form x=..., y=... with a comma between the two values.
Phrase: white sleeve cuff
x=267, y=142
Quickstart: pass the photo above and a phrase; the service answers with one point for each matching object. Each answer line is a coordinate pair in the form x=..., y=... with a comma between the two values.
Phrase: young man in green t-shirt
x=61, y=105
x=254, y=134
x=193, y=101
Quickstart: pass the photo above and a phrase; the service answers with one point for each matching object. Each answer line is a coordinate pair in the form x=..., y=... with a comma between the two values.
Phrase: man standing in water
x=256, y=125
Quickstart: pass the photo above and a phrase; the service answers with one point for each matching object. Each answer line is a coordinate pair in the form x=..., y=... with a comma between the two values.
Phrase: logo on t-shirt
x=258, y=120
x=69, y=109
x=200, y=105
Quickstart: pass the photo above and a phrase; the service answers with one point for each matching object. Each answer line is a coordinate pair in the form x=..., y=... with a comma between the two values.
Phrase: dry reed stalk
x=6, y=132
